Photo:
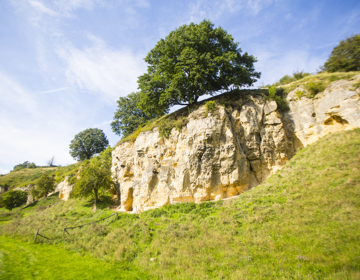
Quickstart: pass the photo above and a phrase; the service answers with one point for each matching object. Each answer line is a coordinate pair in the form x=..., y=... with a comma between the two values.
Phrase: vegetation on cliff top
x=302, y=223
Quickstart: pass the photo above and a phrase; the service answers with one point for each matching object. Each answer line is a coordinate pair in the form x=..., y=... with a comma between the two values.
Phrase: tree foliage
x=12, y=199
x=24, y=165
x=95, y=177
x=87, y=143
x=344, y=57
x=193, y=60
x=128, y=117
x=44, y=185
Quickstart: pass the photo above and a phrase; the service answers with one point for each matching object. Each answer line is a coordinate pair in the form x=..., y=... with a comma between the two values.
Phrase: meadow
x=302, y=223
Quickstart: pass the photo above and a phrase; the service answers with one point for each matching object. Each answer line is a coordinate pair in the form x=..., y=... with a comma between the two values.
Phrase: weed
x=355, y=86
x=300, y=93
x=315, y=87
x=209, y=106
x=278, y=95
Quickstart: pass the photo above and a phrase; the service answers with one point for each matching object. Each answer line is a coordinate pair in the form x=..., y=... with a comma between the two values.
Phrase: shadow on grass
x=104, y=202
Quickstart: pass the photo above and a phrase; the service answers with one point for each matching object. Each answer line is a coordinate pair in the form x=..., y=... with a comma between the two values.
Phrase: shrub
x=300, y=93
x=300, y=74
x=12, y=199
x=278, y=95
x=209, y=106
x=315, y=87
x=286, y=80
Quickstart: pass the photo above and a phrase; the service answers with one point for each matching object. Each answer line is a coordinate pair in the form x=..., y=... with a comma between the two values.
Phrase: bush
x=315, y=87
x=300, y=74
x=12, y=199
x=278, y=95
x=209, y=106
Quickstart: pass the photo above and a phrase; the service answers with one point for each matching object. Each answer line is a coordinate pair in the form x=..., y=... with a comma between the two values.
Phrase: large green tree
x=43, y=186
x=87, y=143
x=12, y=199
x=95, y=177
x=344, y=57
x=193, y=60
x=128, y=117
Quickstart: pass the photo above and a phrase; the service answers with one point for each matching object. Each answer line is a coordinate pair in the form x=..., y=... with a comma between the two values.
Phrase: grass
x=24, y=260
x=302, y=223
x=322, y=79
x=28, y=176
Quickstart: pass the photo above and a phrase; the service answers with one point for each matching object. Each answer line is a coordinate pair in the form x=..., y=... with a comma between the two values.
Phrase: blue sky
x=65, y=63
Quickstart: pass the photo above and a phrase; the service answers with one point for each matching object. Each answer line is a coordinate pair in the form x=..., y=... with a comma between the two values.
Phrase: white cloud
x=41, y=7
x=102, y=70
x=274, y=66
x=202, y=9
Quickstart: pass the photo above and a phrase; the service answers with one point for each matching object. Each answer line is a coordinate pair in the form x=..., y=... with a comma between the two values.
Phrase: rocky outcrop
x=337, y=108
x=229, y=151
x=64, y=189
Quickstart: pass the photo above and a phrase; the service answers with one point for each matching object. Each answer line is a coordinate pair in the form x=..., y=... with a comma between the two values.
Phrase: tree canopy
x=12, y=199
x=193, y=60
x=128, y=117
x=95, y=176
x=44, y=185
x=344, y=57
x=26, y=164
x=87, y=143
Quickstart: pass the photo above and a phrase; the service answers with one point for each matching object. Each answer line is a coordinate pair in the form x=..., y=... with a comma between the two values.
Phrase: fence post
x=36, y=236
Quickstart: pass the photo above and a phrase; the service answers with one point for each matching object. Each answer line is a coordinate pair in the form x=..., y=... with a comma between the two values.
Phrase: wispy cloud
x=102, y=70
x=201, y=9
x=42, y=8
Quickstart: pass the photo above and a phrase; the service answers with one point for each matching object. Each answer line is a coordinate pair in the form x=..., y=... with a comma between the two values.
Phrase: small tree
x=95, y=177
x=50, y=162
x=193, y=60
x=12, y=199
x=44, y=185
x=344, y=57
x=87, y=143
x=128, y=117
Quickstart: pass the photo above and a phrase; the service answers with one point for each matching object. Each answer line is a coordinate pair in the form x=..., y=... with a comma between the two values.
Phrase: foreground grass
x=20, y=260
x=302, y=223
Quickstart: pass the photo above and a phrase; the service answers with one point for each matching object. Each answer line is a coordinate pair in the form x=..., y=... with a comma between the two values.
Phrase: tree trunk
x=96, y=198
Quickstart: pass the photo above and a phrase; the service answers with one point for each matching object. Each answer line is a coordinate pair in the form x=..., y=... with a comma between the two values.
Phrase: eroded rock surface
x=229, y=151
x=64, y=189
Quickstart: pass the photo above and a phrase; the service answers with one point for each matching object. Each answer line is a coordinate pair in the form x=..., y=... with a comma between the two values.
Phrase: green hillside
x=302, y=223
x=28, y=176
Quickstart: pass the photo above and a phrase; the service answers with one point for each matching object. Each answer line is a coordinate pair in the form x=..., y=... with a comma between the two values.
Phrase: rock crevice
x=229, y=151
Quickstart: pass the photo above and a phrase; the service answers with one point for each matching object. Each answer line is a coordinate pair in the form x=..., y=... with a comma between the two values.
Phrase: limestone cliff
x=230, y=150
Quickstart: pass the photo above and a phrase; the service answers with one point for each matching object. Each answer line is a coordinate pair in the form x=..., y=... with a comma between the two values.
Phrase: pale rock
x=229, y=151
x=64, y=189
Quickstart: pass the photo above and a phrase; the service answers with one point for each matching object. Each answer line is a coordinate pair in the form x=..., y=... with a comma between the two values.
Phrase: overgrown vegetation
x=345, y=57
x=279, y=96
x=302, y=223
x=209, y=106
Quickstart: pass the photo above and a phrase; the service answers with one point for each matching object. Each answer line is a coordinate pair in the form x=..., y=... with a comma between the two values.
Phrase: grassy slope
x=19, y=260
x=325, y=77
x=302, y=223
x=27, y=176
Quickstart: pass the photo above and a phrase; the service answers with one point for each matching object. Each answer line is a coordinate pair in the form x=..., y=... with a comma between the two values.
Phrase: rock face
x=337, y=108
x=229, y=151
x=64, y=189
